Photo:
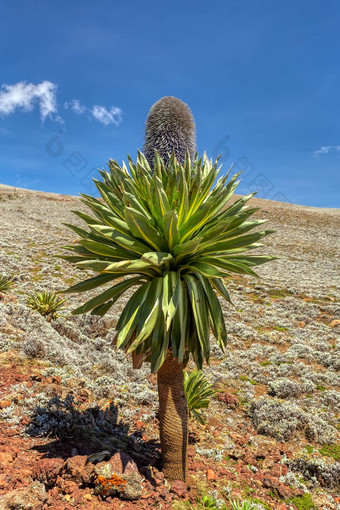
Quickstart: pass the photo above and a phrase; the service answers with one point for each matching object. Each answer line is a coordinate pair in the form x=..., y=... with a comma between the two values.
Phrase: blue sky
x=262, y=79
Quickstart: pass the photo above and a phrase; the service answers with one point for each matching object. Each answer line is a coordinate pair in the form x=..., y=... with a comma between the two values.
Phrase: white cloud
x=112, y=116
x=326, y=149
x=75, y=106
x=25, y=96
x=97, y=112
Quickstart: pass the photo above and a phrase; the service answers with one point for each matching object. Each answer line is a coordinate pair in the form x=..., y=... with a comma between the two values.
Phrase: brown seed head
x=170, y=126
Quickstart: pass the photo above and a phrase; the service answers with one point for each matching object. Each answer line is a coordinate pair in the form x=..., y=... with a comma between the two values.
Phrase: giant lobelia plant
x=170, y=235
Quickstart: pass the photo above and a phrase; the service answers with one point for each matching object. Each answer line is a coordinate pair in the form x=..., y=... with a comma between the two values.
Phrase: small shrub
x=5, y=282
x=284, y=388
x=46, y=303
x=34, y=348
x=276, y=419
x=327, y=473
x=283, y=420
x=198, y=392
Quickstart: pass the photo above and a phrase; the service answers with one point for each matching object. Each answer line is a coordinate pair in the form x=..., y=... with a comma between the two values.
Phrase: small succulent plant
x=5, y=282
x=241, y=505
x=198, y=392
x=207, y=502
x=46, y=303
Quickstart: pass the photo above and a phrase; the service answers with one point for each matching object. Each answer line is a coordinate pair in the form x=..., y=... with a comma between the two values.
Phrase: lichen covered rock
x=118, y=476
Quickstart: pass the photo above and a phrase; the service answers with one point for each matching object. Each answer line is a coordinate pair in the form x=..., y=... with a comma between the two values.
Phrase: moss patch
x=244, y=378
x=278, y=293
x=309, y=448
x=331, y=450
x=304, y=502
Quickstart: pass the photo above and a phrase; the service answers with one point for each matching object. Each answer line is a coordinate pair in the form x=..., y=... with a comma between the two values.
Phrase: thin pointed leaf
x=91, y=283
x=221, y=288
x=233, y=267
x=105, y=249
x=106, y=296
x=136, y=299
x=187, y=248
x=149, y=313
x=242, y=241
x=157, y=258
x=207, y=268
x=127, y=242
x=216, y=314
x=200, y=312
x=170, y=226
x=141, y=228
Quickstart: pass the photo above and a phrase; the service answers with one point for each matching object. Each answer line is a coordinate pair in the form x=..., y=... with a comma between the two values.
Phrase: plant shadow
x=72, y=430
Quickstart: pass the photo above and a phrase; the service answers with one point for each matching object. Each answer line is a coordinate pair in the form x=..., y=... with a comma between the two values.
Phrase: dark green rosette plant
x=172, y=236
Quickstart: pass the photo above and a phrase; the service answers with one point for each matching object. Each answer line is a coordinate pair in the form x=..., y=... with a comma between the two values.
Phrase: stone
x=80, y=470
x=133, y=487
x=5, y=458
x=119, y=475
x=268, y=463
x=47, y=470
x=211, y=475
x=69, y=487
x=2, y=480
x=179, y=488
x=159, y=476
x=32, y=497
x=191, y=451
x=279, y=470
x=121, y=462
x=282, y=490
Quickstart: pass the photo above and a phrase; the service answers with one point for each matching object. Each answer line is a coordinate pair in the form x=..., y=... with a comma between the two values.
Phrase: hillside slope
x=272, y=434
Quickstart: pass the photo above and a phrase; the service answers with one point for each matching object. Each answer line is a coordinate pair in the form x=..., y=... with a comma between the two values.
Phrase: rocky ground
x=78, y=426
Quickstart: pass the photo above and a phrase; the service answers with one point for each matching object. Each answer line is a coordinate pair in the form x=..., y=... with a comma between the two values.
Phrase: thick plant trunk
x=173, y=418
